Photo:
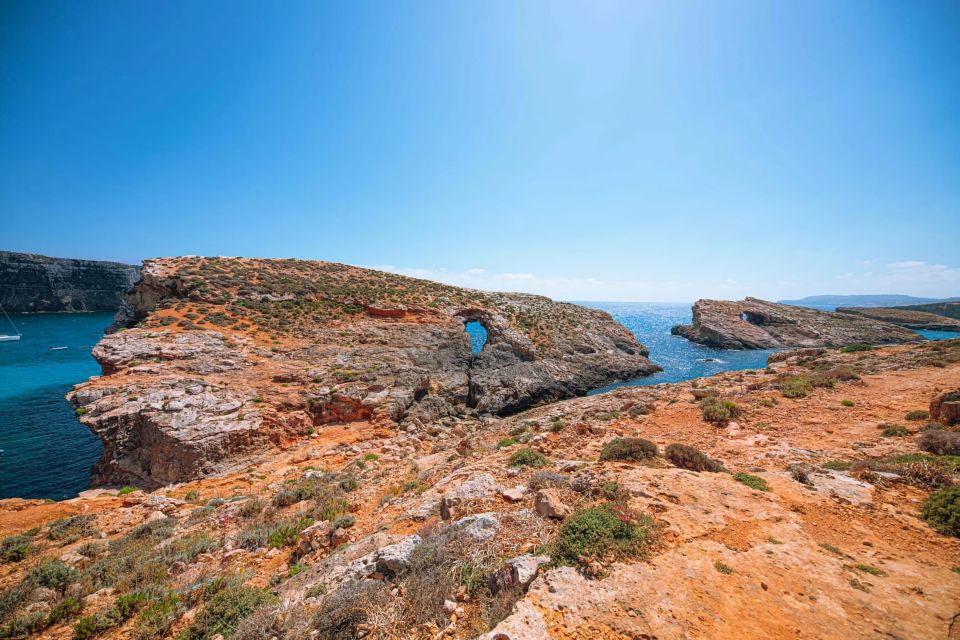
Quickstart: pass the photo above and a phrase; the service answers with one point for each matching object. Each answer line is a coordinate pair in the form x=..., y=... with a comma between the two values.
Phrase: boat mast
x=15, y=331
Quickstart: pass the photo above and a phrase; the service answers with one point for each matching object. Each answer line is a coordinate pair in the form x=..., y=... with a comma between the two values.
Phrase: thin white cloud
x=516, y=276
x=908, y=264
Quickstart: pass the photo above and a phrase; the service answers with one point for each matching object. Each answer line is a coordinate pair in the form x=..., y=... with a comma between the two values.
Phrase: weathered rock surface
x=31, y=283
x=758, y=324
x=945, y=408
x=909, y=318
x=222, y=358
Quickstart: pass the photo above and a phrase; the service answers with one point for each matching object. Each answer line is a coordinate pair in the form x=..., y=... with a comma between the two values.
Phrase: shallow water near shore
x=47, y=453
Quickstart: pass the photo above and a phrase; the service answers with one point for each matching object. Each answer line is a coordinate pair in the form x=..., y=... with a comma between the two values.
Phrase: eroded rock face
x=758, y=324
x=213, y=360
x=33, y=283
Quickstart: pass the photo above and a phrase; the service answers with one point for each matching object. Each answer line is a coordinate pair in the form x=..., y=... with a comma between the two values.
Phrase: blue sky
x=594, y=150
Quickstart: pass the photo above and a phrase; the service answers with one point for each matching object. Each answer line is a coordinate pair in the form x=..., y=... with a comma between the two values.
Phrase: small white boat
x=55, y=348
x=13, y=337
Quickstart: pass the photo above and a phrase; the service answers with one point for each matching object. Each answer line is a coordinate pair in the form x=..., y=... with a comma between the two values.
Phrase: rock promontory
x=220, y=359
x=33, y=283
x=758, y=324
x=910, y=318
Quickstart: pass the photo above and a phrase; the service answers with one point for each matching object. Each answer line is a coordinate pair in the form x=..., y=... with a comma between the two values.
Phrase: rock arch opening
x=478, y=335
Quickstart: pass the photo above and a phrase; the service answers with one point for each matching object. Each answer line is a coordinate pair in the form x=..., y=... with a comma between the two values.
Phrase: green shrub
x=225, y=611
x=506, y=442
x=691, y=458
x=857, y=346
x=941, y=510
x=847, y=403
x=754, y=482
x=15, y=548
x=251, y=507
x=718, y=411
x=871, y=570
x=125, y=490
x=65, y=609
x=599, y=532
x=628, y=449
x=67, y=530
x=722, y=567
x=527, y=457
x=894, y=431
x=919, y=414
x=91, y=626
x=53, y=574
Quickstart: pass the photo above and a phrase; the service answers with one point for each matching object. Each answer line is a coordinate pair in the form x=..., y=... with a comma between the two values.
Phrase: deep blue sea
x=47, y=453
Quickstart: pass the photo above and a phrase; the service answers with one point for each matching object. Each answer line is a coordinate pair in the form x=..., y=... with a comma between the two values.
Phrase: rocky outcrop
x=758, y=324
x=905, y=317
x=33, y=283
x=950, y=309
x=217, y=359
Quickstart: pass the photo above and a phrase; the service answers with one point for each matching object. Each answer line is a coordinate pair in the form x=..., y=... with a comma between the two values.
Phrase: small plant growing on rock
x=754, y=482
x=527, y=457
x=846, y=403
x=599, y=532
x=628, y=449
x=894, y=431
x=125, y=490
x=718, y=411
x=941, y=510
x=914, y=416
x=722, y=567
x=691, y=458
x=880, y=573
x=225, y=611
x=15, y=548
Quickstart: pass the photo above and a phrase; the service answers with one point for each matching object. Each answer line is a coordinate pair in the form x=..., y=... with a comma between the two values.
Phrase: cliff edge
x=226, y=358
x=757, y=324
x=32, y=283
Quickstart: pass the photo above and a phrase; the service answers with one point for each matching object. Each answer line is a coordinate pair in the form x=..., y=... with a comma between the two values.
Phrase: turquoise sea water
x=48, y=453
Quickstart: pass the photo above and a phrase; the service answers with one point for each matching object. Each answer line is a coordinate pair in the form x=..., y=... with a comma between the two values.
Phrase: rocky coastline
x=218, y=359
x=749, y=504
x=757, y=324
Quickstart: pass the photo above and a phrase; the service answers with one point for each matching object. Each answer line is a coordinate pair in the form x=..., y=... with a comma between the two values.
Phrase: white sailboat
x=13, y=337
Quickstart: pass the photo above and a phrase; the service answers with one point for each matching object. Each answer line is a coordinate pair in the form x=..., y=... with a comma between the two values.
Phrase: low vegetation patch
x=754, y=482
x=628, y=449
x=527, y=457
x=225, y=611
x=800, y=385
x=880, y=573
x=846, y=403
x=857, y=346
x=718, y=411
x=15, y=548
x=941, y=510
x=894, y=431
x=601, y=532
x=914, y=416
x=691, y=458
x=722, y=567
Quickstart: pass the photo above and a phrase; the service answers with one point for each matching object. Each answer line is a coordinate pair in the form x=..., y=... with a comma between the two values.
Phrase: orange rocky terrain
x=814, y=499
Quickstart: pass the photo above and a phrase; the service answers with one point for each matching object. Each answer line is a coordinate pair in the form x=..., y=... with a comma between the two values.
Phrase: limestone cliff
x=909, y=318
x=228, y=357
x=758, y=324
x=31, y=282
